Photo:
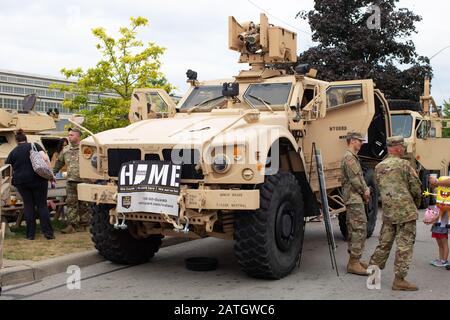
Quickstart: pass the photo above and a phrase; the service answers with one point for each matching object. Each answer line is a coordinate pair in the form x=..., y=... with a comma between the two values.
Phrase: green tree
x=127, y=63
x=446, y=114
x=349, y=49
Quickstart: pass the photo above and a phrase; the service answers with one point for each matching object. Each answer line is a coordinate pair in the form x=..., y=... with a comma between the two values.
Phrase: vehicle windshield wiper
x=203, y=103
x=266, y=104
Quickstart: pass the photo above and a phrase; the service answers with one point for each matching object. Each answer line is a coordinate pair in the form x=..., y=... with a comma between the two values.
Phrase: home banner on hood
x=150, y=187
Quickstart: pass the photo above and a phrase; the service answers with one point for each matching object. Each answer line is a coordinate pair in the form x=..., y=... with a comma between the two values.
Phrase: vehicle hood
x=183, y=129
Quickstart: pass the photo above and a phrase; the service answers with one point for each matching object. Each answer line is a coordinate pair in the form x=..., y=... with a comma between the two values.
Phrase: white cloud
x=44, y=36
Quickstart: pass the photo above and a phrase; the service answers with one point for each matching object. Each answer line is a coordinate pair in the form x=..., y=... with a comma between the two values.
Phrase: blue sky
x=44, y=36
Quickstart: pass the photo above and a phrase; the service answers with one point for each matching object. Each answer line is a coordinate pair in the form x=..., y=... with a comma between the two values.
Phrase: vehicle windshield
x=402, y=125
x=273, y=94
x=205, y=97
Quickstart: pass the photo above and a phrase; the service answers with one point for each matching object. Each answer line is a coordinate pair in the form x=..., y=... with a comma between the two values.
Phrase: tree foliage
x=348, y=49
x=446, y=114
x=127, y=63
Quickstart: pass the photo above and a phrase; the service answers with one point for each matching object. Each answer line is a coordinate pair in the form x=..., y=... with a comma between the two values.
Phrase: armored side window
x=341, y=95
x=156, y=104
x=425, y=130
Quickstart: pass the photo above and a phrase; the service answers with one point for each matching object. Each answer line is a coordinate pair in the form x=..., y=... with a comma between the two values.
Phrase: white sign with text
x=149, y=186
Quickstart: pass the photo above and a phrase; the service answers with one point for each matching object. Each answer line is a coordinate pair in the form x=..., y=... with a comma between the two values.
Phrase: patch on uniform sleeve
x=353, y=165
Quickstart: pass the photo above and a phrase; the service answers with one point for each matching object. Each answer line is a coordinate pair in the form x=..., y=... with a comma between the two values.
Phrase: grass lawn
x=16, y=247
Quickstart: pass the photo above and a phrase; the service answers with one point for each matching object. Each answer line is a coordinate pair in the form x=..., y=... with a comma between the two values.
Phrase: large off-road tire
x=269, y=241
x=371, y=208
x=395, y=105
x=119, y=246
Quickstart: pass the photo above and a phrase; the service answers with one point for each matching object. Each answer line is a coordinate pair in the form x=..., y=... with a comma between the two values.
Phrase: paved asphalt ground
x=166, y=278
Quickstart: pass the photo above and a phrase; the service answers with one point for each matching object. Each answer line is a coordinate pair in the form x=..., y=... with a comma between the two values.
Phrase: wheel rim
x=285, y=227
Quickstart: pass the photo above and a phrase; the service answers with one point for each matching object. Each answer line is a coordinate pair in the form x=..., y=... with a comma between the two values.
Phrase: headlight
x=248, y=174
x=221, y=164
x=94, y=161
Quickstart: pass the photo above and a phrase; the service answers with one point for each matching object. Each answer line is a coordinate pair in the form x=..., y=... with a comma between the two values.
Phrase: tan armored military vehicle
x=39, y=128
x=422, y=125
x=233, y=159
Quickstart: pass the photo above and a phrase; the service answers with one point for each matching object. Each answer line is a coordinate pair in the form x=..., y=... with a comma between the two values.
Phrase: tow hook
x=120, y=226
x=184, y=230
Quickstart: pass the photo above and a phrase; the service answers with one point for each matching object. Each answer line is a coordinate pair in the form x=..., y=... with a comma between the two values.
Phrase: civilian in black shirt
x=31, y=187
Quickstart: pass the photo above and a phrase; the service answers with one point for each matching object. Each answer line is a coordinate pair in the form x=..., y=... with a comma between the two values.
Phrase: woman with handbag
x=32, y=186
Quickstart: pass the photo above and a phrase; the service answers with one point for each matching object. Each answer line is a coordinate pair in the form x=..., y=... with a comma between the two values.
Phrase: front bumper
x=234, y=200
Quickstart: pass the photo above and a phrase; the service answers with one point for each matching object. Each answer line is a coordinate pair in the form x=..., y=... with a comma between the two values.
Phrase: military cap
x=355, y=135
x=396, y=141
x=76, y=130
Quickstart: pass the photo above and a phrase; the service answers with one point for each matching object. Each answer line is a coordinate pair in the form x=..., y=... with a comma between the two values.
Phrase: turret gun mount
x=261, y=44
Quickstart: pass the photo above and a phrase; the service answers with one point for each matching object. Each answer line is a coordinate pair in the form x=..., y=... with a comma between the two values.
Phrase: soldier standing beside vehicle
x=401, y=194
x=355, y=193
x=77, y=212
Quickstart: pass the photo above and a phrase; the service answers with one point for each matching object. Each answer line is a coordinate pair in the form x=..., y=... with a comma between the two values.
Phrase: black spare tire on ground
x=119, y=246
x=201, y=264
x=269, y=240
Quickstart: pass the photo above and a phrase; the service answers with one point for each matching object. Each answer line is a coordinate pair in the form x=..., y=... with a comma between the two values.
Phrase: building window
x=19, y=90
x=10, y=103
x=7, y=89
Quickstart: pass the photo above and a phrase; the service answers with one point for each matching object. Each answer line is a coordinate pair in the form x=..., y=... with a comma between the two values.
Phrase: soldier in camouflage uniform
x=401, y=194
x=355, y=193
x=77, y=212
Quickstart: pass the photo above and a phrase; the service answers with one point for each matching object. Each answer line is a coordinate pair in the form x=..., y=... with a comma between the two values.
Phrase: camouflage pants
x=77, y=212
x=405, y=236
x=357, y=229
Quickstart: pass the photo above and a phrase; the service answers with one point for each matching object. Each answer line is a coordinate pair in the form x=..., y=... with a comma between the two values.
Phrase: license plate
x=149, y=186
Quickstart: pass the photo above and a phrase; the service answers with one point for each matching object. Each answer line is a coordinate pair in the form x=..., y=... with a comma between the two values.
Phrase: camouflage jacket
x=400, y=190
x=69, y=157
x=353, y=184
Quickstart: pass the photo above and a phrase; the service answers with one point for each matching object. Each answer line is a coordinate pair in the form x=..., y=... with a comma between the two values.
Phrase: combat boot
x=355, y=267
x=69, y=229
x=400, y=284
x=364, y=265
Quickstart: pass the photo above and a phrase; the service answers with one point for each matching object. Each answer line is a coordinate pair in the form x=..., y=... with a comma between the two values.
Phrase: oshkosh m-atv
x=232, y=160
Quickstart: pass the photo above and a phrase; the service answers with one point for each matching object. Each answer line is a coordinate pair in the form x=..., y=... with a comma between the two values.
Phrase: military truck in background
x=242, y=148
x=39, y=128
x=422, y=125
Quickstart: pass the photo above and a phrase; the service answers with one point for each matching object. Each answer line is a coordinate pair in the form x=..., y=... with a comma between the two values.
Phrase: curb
x=40, y=270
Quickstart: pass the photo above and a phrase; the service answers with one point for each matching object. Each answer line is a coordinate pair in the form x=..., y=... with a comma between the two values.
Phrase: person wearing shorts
x=440, y=233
